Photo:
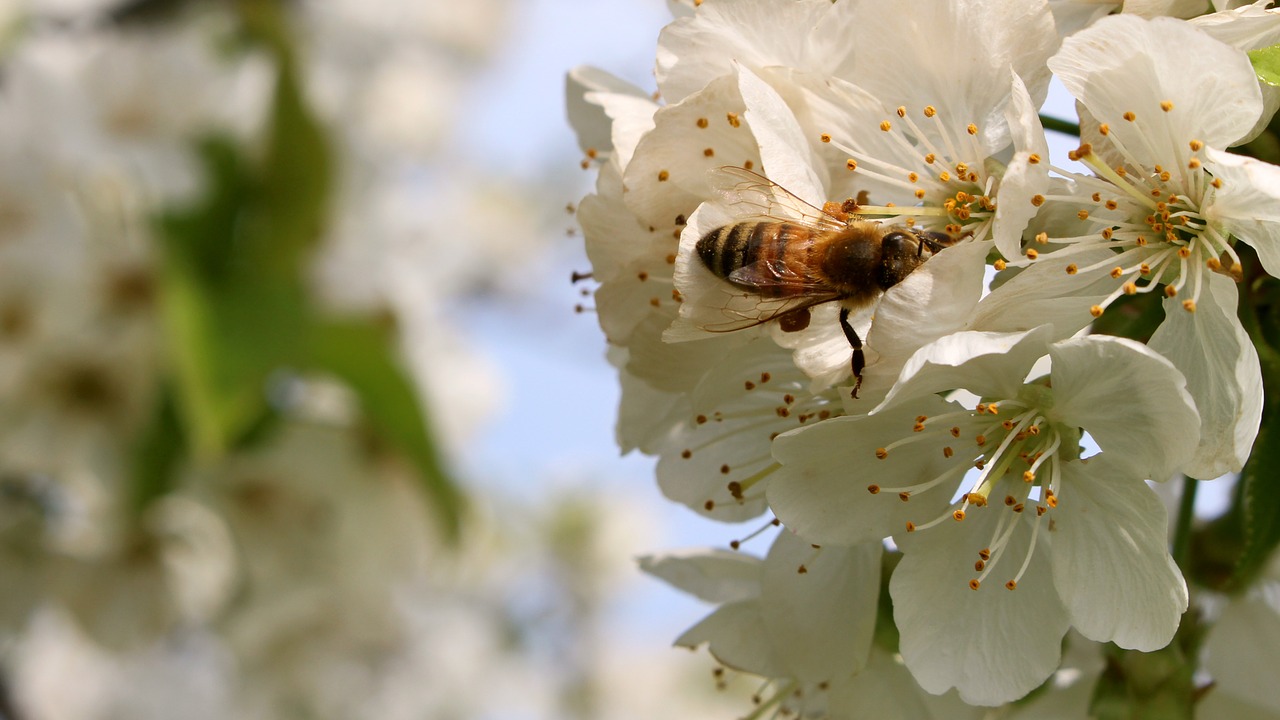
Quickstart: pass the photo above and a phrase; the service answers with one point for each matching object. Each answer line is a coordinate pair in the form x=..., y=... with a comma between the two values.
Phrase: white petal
x=1245, y=28
x=739, y=404
x=821, y=489
x=1111, y=562
x=1247, y=203
x=1243, y=651
x=820, y=621
x=1164, y=8
x=992, y=644
x=1220, y=364
x=755, y=33
x=969, y=45
x=608, y=114
x=1044, y=294
x=885, y=690
x=1023, y=179
x=717, y=576
x=589, y=94
x=933, y=301
x=986, y=364
x=1130, y=399
x=668, y=173
x=1124, y=63
x=736, y=637
x=645, y=415
x=784, y=151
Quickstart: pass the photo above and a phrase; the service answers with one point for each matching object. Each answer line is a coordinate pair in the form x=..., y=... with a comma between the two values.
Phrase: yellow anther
x=1189, y=305
x=1096, y=311
x=1166, y=105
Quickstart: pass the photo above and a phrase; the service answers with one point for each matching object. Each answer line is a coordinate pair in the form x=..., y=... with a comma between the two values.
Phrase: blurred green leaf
x=1132, y=316
x=1156, y=685
x=236, y=307
x=1266, y=63
x=361, y=354
x=1260, y=498
x=235, y=303
x=157, y=455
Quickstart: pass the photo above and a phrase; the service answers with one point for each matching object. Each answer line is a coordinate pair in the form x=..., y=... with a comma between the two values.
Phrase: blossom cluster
x=296, y=570
x=973, y=419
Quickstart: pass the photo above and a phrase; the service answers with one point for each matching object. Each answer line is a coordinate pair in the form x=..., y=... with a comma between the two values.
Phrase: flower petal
x=820, y=620
x=735, y=635
x=1124, y=63
x=1027, y=174
x=1244, y=651
x=756, y=33
x=717, y=576
x=987, y=364
x=1220, y=364
x=992, y=644
x=1247, y=204
x=821, y=490
x=1111, y=562
x=1130, y=399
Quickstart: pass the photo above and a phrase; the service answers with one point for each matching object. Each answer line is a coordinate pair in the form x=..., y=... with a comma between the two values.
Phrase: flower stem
x=1182, y=528
x=1065, y=127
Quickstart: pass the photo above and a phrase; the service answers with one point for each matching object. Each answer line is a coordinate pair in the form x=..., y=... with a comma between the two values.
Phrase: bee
x=795, y=256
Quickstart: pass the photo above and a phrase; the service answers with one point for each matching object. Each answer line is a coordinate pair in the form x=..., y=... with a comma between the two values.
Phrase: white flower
x=803, y=615
x=1241, y=654
x=1079, y=544
x=1166, y=206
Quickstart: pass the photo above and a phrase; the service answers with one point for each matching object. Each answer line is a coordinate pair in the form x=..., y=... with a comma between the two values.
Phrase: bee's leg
x=855, y=342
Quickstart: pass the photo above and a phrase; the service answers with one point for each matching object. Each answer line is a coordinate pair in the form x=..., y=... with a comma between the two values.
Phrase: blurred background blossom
x=296, y=417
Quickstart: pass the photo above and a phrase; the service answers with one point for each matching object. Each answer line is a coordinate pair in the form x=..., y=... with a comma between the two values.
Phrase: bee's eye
x=898, y=241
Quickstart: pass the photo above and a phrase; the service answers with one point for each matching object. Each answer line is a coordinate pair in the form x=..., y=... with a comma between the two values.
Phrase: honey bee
x=795, y=256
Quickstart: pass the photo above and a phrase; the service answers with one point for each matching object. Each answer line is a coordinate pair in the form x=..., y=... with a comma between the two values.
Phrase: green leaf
x=1144, y=686
x=157, y=455
x=235, y=305
x=1266, y=63
x=361, y=354
x=1260, y=498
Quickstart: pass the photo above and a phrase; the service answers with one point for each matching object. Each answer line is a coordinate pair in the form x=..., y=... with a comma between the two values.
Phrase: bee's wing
x=739, y=312
x=765, y=291
x=776, y=276
x=760, y=197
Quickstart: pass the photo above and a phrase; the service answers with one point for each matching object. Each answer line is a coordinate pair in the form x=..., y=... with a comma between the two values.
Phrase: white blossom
x=1051, y=522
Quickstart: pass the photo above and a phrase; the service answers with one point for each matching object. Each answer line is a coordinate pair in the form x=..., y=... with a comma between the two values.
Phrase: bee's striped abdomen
x=731, y=247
